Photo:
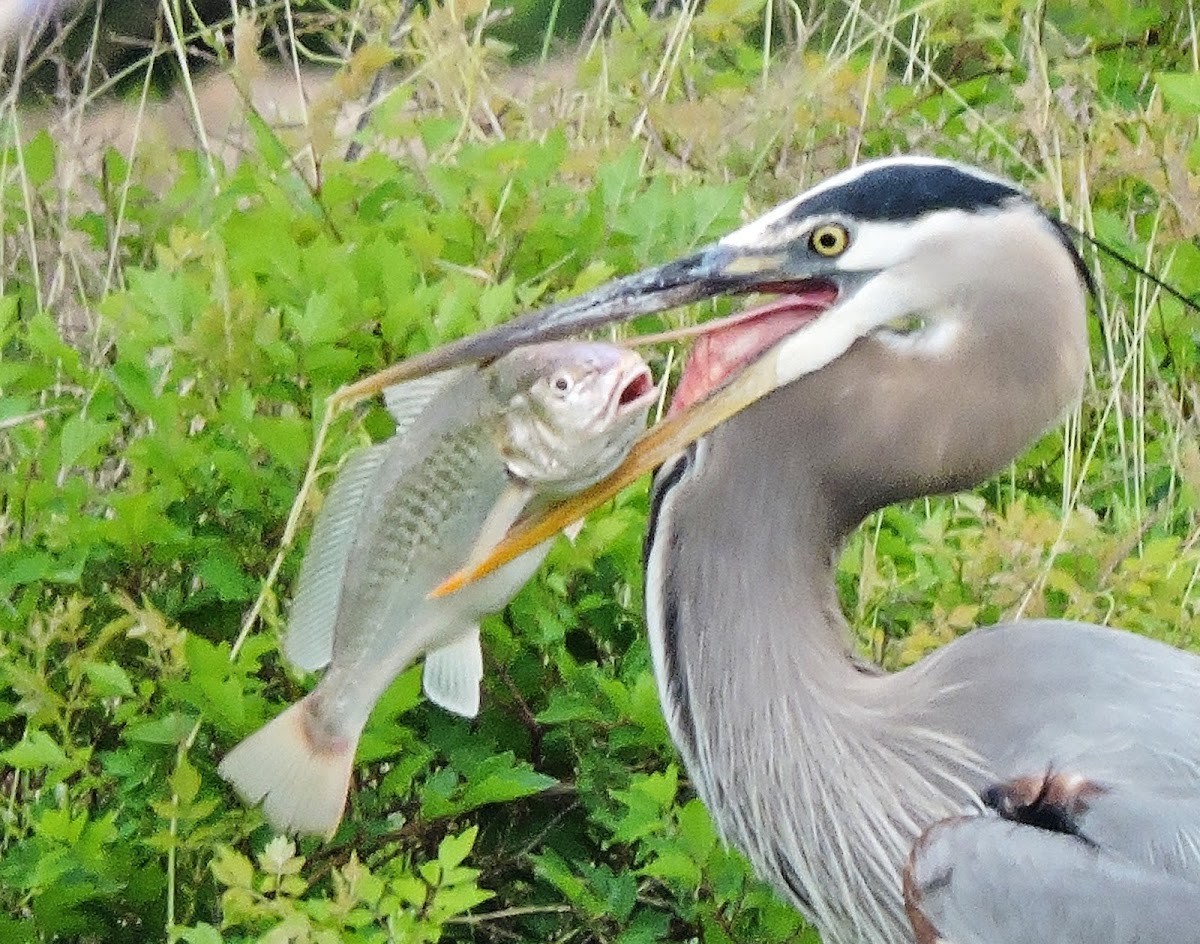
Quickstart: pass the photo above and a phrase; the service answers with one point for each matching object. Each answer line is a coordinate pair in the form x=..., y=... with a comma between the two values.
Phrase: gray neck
x=749, y=643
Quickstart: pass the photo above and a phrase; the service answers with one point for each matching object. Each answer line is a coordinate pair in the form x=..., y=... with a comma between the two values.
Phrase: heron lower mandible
x=1034, y=781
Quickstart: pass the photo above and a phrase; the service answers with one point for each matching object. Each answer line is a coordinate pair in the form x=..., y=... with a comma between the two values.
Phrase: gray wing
x=1072, y=688
x=1088, y=741
x=1104, y=705
x=987, y=880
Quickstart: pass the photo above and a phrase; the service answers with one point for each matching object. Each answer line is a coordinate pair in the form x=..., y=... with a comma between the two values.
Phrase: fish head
x=574, y=410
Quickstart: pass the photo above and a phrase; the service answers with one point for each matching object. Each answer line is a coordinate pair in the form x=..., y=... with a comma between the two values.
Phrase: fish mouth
x=637, y=391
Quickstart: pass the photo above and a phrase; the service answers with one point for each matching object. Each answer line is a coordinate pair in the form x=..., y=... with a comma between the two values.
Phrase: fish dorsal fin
x=406, y=401
x=309, y=641
x=453, y=672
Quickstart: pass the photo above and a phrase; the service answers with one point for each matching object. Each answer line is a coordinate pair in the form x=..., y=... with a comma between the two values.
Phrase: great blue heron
x=1034, y=781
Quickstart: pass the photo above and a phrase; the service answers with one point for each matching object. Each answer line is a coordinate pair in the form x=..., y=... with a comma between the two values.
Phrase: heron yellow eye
x=829, y=239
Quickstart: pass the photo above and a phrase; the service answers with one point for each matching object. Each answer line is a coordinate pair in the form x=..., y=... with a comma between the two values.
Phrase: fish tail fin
x=300, y=780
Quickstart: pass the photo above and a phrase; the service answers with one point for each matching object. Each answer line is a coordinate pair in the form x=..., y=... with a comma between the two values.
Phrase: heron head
x=927, y=260
x=914, y=253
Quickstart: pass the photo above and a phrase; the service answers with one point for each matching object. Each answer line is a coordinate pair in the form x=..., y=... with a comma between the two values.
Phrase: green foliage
x=268, y=898
x=171, y=324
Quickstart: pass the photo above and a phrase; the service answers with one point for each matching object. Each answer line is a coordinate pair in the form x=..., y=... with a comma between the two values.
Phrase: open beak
x=717, y=270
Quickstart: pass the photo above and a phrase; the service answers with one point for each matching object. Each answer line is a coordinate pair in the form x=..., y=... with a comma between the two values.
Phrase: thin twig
x=375, y=94
x=188, y=87
x=514, y=912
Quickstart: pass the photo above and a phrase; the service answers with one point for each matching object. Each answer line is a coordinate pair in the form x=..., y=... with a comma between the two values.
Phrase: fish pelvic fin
x=308, y=643
x=452, y=674
x=300, y=780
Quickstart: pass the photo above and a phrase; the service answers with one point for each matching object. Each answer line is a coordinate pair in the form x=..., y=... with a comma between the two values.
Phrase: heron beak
x=667, y=439
x=653, y=290
x=723, y=268
x=719, y=269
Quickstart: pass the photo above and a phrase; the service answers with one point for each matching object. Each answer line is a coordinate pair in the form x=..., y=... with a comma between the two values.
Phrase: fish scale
x=418, y=538
x=416, y=522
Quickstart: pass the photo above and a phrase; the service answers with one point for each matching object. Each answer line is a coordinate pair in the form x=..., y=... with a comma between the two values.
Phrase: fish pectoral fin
x=504, y=514
x=406, y=401
x=453, y=673
x=308, y=643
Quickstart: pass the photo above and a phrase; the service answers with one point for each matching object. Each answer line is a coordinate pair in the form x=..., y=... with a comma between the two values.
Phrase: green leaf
x=660, y=787
x=8, y=312
x=219, y=571
x=454, y=849
x=174, y=728
x=501, y=781
x=452, y=900
x=286, y=438
x=1181, y=91
x=108, y=679
x=696, y=830
x=497, y=302
x=231, y=868
x=553, y=868
x=319, y=322
x=81, y=438
x=35, y=752
x=17, y=931
x=185, y=782
x=674, y=865
x=646, y=927
x=200, y=934
x=41, y=158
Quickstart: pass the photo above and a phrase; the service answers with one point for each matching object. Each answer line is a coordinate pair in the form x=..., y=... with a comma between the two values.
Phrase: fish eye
x=829, y=239
x=561, y=383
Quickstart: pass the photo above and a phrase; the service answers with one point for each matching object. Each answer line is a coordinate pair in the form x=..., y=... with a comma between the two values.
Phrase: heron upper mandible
x=1032, y=781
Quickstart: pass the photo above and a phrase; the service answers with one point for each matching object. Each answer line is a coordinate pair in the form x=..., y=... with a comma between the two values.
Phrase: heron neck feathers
x=748, y=640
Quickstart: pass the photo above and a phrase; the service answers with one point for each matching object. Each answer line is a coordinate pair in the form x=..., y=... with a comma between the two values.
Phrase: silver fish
x=473, y=449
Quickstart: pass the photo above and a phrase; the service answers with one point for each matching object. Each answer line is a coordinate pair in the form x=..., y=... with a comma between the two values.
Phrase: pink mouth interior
x=719, y=354
x=639, y=386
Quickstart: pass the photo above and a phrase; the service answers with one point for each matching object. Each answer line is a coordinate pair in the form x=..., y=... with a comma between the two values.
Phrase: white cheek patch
x=830, y=335
x=899, y=289
x=875, y=246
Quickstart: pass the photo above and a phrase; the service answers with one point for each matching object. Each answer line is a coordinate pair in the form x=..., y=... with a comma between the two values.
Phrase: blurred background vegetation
x=215, y=213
